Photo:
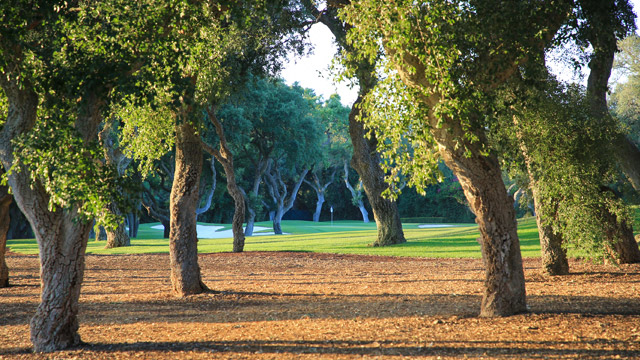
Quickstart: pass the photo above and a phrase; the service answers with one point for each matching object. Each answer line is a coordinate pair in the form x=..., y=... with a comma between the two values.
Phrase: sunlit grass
x=343, y=237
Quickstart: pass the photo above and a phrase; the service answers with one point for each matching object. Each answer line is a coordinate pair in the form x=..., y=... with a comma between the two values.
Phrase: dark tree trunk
x=166, y=232
x=277, y=221
x=5, y=220
x=225, y=157
x=366, y=162
x=260, y=168
x=183, y=240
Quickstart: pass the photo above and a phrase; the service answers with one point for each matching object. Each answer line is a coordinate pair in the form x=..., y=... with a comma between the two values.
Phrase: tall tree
x=444, y=61
x=114, y=157
x=607, y=22
x=365, y=160
x=60, y=63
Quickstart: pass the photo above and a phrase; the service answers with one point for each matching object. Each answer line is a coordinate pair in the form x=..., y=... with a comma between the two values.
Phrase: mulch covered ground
x=299, y=305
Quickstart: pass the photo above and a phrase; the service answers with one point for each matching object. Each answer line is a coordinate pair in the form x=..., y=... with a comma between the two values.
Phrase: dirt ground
x=303, y=306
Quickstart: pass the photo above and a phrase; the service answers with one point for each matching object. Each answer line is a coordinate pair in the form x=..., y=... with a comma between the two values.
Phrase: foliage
x=442, y=61
x=624, y=100
x=569, y=154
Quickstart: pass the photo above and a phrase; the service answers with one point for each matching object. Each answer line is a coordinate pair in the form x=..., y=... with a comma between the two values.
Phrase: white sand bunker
x=211, y=231
x=428, y=226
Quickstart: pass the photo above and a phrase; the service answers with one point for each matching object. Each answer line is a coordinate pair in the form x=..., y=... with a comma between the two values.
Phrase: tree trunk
x=363, y=211
x=61, y=235
x=356, y=195
x=366, y=162
x=481, y=180
x=319, y=202
x=5, y=220
x=225, y=157
x=365, y=159
x=183, y=239
x=277, y=221
x=251, y=220
x=118, y=237
x=554, y=255
x=604, y=41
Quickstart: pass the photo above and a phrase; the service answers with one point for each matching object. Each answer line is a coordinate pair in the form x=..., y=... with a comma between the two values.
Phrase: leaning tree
x=443, y=63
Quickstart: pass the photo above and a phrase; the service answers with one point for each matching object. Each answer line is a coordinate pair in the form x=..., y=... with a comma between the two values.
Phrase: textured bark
x=366, y=162
x=61, y=236
x=209, y=197
x=623, y=247
x=225, y=157
x=183, y=239
x=5, y=220
x=629, y=159
x=119, y=236
x=481, y=180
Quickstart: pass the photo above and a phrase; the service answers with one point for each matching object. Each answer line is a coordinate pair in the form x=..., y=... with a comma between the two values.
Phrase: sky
x=313, y=71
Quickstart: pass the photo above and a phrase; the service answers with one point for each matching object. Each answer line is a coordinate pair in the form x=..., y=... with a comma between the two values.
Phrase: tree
x=225, y=157
x=334, y=118
x=59, y=65
x=365, y=160
x=607, y=22
x=356, y=193
x=114, y=157
x=443, y=63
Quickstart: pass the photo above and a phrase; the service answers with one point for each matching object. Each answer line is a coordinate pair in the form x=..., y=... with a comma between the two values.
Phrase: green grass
x=343, y=237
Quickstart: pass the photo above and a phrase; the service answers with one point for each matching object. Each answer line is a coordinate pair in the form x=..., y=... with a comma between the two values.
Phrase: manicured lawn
x=344, y=237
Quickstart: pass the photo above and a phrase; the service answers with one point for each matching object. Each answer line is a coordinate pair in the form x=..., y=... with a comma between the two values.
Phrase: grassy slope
x=346, y=237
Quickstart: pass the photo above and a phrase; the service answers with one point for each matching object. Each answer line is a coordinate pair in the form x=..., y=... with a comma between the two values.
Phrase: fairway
x=341, y=237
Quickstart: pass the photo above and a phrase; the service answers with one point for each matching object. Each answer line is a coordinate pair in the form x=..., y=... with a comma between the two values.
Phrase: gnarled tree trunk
x=183, y=239
x=61, y=235
x=481, y=180
x=225, y=157
x=356, y=195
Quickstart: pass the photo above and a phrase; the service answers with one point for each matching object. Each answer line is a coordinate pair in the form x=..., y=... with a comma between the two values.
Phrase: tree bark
x=481, y=180
x=183, y=239
x=61, y=235
x=260, y=167
x=225, y=157
x=320, y=190
x=5, y=220
x=119, y=236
